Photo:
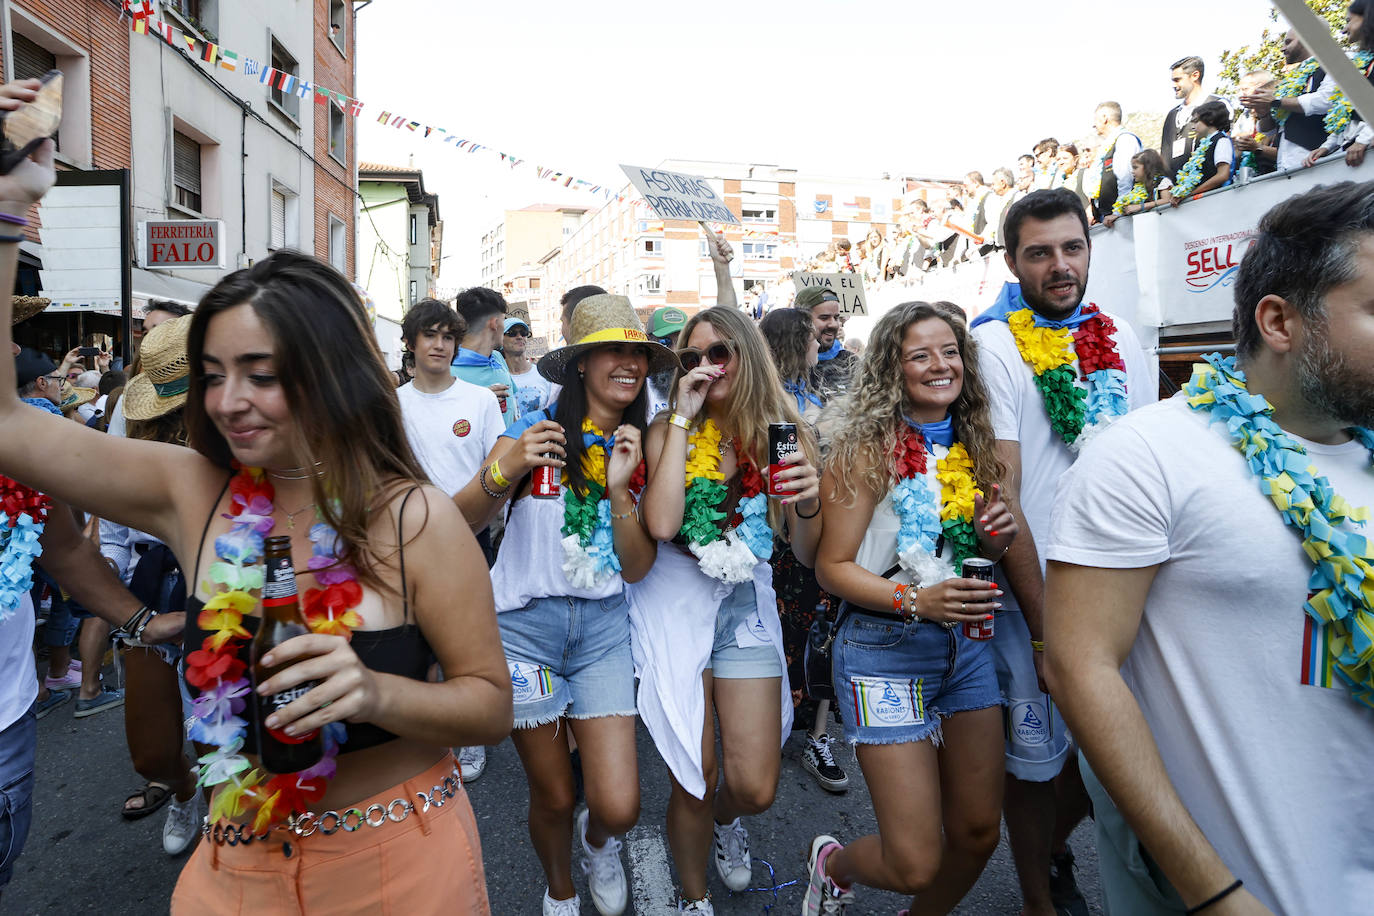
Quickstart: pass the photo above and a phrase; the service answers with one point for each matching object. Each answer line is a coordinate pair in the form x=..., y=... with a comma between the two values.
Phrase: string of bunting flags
x=144, y=20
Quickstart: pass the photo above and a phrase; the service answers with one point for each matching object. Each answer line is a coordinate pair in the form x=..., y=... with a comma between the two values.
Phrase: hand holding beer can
x=547, y=480
x=782, y=442
x=981, y=569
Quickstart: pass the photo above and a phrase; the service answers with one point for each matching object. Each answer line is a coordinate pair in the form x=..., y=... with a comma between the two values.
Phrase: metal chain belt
x=331, y=822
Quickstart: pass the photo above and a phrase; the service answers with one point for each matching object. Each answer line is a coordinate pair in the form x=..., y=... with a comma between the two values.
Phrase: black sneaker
x=1064, y=893
x=819, y=761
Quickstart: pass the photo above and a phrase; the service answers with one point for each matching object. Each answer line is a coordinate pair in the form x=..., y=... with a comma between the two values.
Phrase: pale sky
x=856, y=88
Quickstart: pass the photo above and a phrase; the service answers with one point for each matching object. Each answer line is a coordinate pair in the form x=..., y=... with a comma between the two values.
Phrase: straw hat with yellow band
x=74, y=397
x=25, y=307
x=166, y=377
x=601, y=320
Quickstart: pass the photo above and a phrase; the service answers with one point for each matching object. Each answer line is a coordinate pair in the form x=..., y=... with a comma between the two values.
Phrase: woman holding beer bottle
x=574, y=472
x=295, y=430
x=708, y=644
x=912, y=512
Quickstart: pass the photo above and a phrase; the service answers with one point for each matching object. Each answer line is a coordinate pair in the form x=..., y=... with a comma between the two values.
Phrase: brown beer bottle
x=281, y=620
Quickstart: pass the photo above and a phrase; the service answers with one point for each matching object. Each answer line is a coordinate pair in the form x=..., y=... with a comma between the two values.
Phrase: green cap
x=666, y=321
x=813, y=296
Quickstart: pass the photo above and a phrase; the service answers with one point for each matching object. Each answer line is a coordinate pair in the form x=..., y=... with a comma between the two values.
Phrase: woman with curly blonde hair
x=705, y=633
x=905, y=505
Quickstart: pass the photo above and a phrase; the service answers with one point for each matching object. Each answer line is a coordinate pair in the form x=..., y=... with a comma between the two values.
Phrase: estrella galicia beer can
x=546, y=483
x=978, y=568
x=782, y=442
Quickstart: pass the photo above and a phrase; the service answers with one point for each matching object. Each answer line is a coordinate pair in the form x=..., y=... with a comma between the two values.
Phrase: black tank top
x=397, y=650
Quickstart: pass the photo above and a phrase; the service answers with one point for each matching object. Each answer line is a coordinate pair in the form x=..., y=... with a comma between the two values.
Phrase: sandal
x=154, y=795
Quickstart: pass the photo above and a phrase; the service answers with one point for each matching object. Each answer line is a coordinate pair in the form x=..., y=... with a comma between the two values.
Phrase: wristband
x=812, y=515
x=13, y=239
x=143, y=625
x=13, y=220
x=497, y=477
x=125, y=631
x=1230, y=889
x=677, y=419
x=899, y=599
x=1037, y=645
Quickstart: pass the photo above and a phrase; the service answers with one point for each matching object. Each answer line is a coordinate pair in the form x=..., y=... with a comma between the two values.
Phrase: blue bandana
x=1010, y=300
x=835, y=350
x=43, y=404
x=941, y=433
x=802, y=392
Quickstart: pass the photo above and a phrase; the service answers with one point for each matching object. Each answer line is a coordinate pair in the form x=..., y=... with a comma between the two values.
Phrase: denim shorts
x=742, y=648
x=17, y=746
x=1037, y=740
x=894, y=681
x=569, y=657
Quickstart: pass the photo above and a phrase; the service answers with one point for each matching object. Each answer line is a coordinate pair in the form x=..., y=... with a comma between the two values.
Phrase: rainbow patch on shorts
x=1318, y=655
x=886, y=703
x=530, y=682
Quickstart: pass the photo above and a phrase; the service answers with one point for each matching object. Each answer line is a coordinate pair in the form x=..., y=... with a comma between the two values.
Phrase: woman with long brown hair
x=904, y=489
x=707, y=641
x=295, y=429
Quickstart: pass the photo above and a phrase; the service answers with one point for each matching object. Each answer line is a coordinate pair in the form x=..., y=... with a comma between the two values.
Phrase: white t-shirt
x=1274, y=772
x=18, y=680
x=1018, y=413
x=451, y=432
x=533, y=392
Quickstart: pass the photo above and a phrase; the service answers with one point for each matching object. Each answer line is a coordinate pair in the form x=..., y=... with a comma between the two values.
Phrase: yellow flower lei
x=1043, y=348
x=957, y=489
x=703, y=454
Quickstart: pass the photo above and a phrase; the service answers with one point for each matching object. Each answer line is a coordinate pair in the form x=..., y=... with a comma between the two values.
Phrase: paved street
x=83, y=858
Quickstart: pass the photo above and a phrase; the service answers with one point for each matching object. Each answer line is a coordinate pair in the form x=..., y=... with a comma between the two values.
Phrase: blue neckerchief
x=468, y=357
x=802, y=392
x=43, y=404
x=590, y=439
x=1010, y=300
x=941, y=433
x=835, y=349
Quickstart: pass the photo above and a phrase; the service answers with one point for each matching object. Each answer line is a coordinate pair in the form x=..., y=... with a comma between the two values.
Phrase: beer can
x=782, y=442
x=546, y=483
x=981, y=569
x=501, y=402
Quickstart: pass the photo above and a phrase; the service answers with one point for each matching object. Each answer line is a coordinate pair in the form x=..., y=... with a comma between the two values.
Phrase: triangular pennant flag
x=190, y=42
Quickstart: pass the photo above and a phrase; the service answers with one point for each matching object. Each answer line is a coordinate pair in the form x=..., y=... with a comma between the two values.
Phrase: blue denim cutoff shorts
x=741, y=648
x=17, y=745
x=894, y=682
x=569, y=657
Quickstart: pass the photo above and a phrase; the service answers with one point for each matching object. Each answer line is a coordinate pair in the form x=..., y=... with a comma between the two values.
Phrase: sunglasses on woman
x=718, y=354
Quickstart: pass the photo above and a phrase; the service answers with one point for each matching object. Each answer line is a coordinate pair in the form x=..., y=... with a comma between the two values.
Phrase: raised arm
x=721, y=256
x=141, y=484
x=666, y=456
x=1091, y=625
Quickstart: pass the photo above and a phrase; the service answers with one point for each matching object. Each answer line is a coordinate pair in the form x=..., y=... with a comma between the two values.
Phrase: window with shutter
x=186, y=171
x=278, y=239
x=31, y=60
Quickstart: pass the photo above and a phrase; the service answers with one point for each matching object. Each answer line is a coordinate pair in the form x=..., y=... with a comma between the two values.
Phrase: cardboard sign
x=848, y=286
x=673, y=195
x=179, y=244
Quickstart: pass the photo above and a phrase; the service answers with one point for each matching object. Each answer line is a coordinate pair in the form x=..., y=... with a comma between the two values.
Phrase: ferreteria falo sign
x=181, y=244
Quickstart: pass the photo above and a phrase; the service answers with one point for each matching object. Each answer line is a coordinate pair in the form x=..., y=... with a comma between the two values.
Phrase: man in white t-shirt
x=1198, y=684
x=451, y=426
x=533, y=392
x=1046, y=234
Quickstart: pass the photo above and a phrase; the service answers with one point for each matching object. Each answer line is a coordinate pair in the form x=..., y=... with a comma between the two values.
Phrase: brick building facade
x=335, y=137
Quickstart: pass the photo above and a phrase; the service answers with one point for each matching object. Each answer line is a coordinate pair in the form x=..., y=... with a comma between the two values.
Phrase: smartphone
x=90, y=351
x=24, y=128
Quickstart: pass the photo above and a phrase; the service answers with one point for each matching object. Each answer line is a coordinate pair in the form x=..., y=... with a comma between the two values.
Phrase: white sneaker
x=472, y=761
x=553, y=907
x=605, y=874
x=700, y=907
x=182, y=826
x=732, y=855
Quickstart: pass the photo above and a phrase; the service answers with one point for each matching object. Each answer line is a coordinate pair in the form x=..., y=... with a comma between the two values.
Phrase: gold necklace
x=291, y=516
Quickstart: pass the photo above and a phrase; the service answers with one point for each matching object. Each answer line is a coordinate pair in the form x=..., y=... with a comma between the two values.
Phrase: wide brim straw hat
x=77, y=397
x=166, y=377
x=25, y=307
x=600, y=320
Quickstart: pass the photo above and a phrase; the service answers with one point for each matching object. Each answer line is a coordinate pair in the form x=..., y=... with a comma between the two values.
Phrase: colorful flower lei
x=731, y=555
x=921, y=521
x=589, y=556
x=1138, y=194
x=23, y=513
x=1190, y=176
x=1342, y=582
x=1338, y=115
x=1075, y=414
x=1293, y=84
x=220, y=674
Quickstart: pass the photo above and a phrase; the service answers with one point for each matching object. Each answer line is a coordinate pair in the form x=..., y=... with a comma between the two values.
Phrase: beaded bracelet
x=1037, y=645
x=494, y=494
x=630, y=514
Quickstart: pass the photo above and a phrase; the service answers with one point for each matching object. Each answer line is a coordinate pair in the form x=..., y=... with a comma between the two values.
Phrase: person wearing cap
x=664, y=326
x=532, y=391
x=153, y=715
x=831, y=375
x=559, y=584
x=707, y=639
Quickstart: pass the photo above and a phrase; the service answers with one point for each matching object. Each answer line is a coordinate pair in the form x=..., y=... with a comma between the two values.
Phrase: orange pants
x=430, y=863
